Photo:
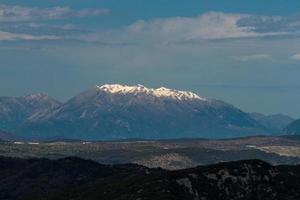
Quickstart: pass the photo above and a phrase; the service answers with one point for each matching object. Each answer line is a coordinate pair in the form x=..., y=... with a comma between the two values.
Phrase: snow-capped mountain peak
x=140, y=89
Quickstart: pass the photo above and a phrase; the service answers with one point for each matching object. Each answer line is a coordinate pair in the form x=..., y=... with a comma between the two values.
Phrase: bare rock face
x=169, y=161
x=120, y=111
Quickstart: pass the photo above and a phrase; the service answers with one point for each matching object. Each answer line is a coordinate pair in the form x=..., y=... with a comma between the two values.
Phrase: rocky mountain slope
x=120, y=111
x=73, y=178
x=16, y=110
x=275, y=123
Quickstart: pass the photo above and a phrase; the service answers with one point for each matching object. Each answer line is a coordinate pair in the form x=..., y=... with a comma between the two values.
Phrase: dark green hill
x=77, y=179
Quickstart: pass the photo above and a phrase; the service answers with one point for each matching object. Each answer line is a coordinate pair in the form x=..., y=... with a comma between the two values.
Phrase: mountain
x=7, y=136
x=293, y=128
x=275, y=123
x=15, y=110
x=74, y=178
x=120, y=111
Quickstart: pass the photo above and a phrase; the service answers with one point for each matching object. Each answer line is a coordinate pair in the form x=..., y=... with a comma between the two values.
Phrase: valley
x=168, y=154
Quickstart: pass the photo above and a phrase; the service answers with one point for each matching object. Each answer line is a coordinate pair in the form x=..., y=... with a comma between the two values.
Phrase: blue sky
x=174, y=7
x=244, y=52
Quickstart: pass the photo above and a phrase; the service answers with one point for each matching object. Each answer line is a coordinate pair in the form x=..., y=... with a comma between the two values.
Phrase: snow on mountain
x=140, y=89
x=120, y=111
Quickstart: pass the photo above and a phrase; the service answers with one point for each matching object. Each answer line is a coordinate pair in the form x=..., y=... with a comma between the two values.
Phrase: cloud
x=256, y=57
x=21, y=23
x=6, y=36
x=172, y=30
x=212, y=25
x=296, y=57
x=37, y=29
x=19, y=13
x=265, y=24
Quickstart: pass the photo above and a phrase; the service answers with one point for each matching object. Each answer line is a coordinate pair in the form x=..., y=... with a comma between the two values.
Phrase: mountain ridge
x=275, y=122
x=16, y=110
x=293, y=128
x=122, y=112
x=119, y=112
x=75, y=178
x=159, y=92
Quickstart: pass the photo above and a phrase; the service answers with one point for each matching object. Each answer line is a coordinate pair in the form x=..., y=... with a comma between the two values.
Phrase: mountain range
x=274, y=123
x=7, y=136
x=14, y=111
x=293, y=128
x=115, y=111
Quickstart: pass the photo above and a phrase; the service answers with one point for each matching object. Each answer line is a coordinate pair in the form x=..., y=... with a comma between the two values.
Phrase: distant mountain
x=293, y=128
x=275, y=123
x=5, y=136
x=74, y=178
x=120, y=111
x=15, y=110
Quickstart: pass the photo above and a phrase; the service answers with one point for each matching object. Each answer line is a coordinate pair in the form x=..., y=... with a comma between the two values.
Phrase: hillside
x=73, y=178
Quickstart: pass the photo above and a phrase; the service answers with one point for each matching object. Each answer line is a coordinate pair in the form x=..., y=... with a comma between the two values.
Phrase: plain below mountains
x=120, y=112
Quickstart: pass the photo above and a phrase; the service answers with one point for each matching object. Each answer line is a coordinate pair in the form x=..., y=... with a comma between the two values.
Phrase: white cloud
x=208, y=26
x=212, y=25
x=256, y=57
x=38, y=29
x=296, y=57
x=6, y=36
x=20, y=13
x=20, y=23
